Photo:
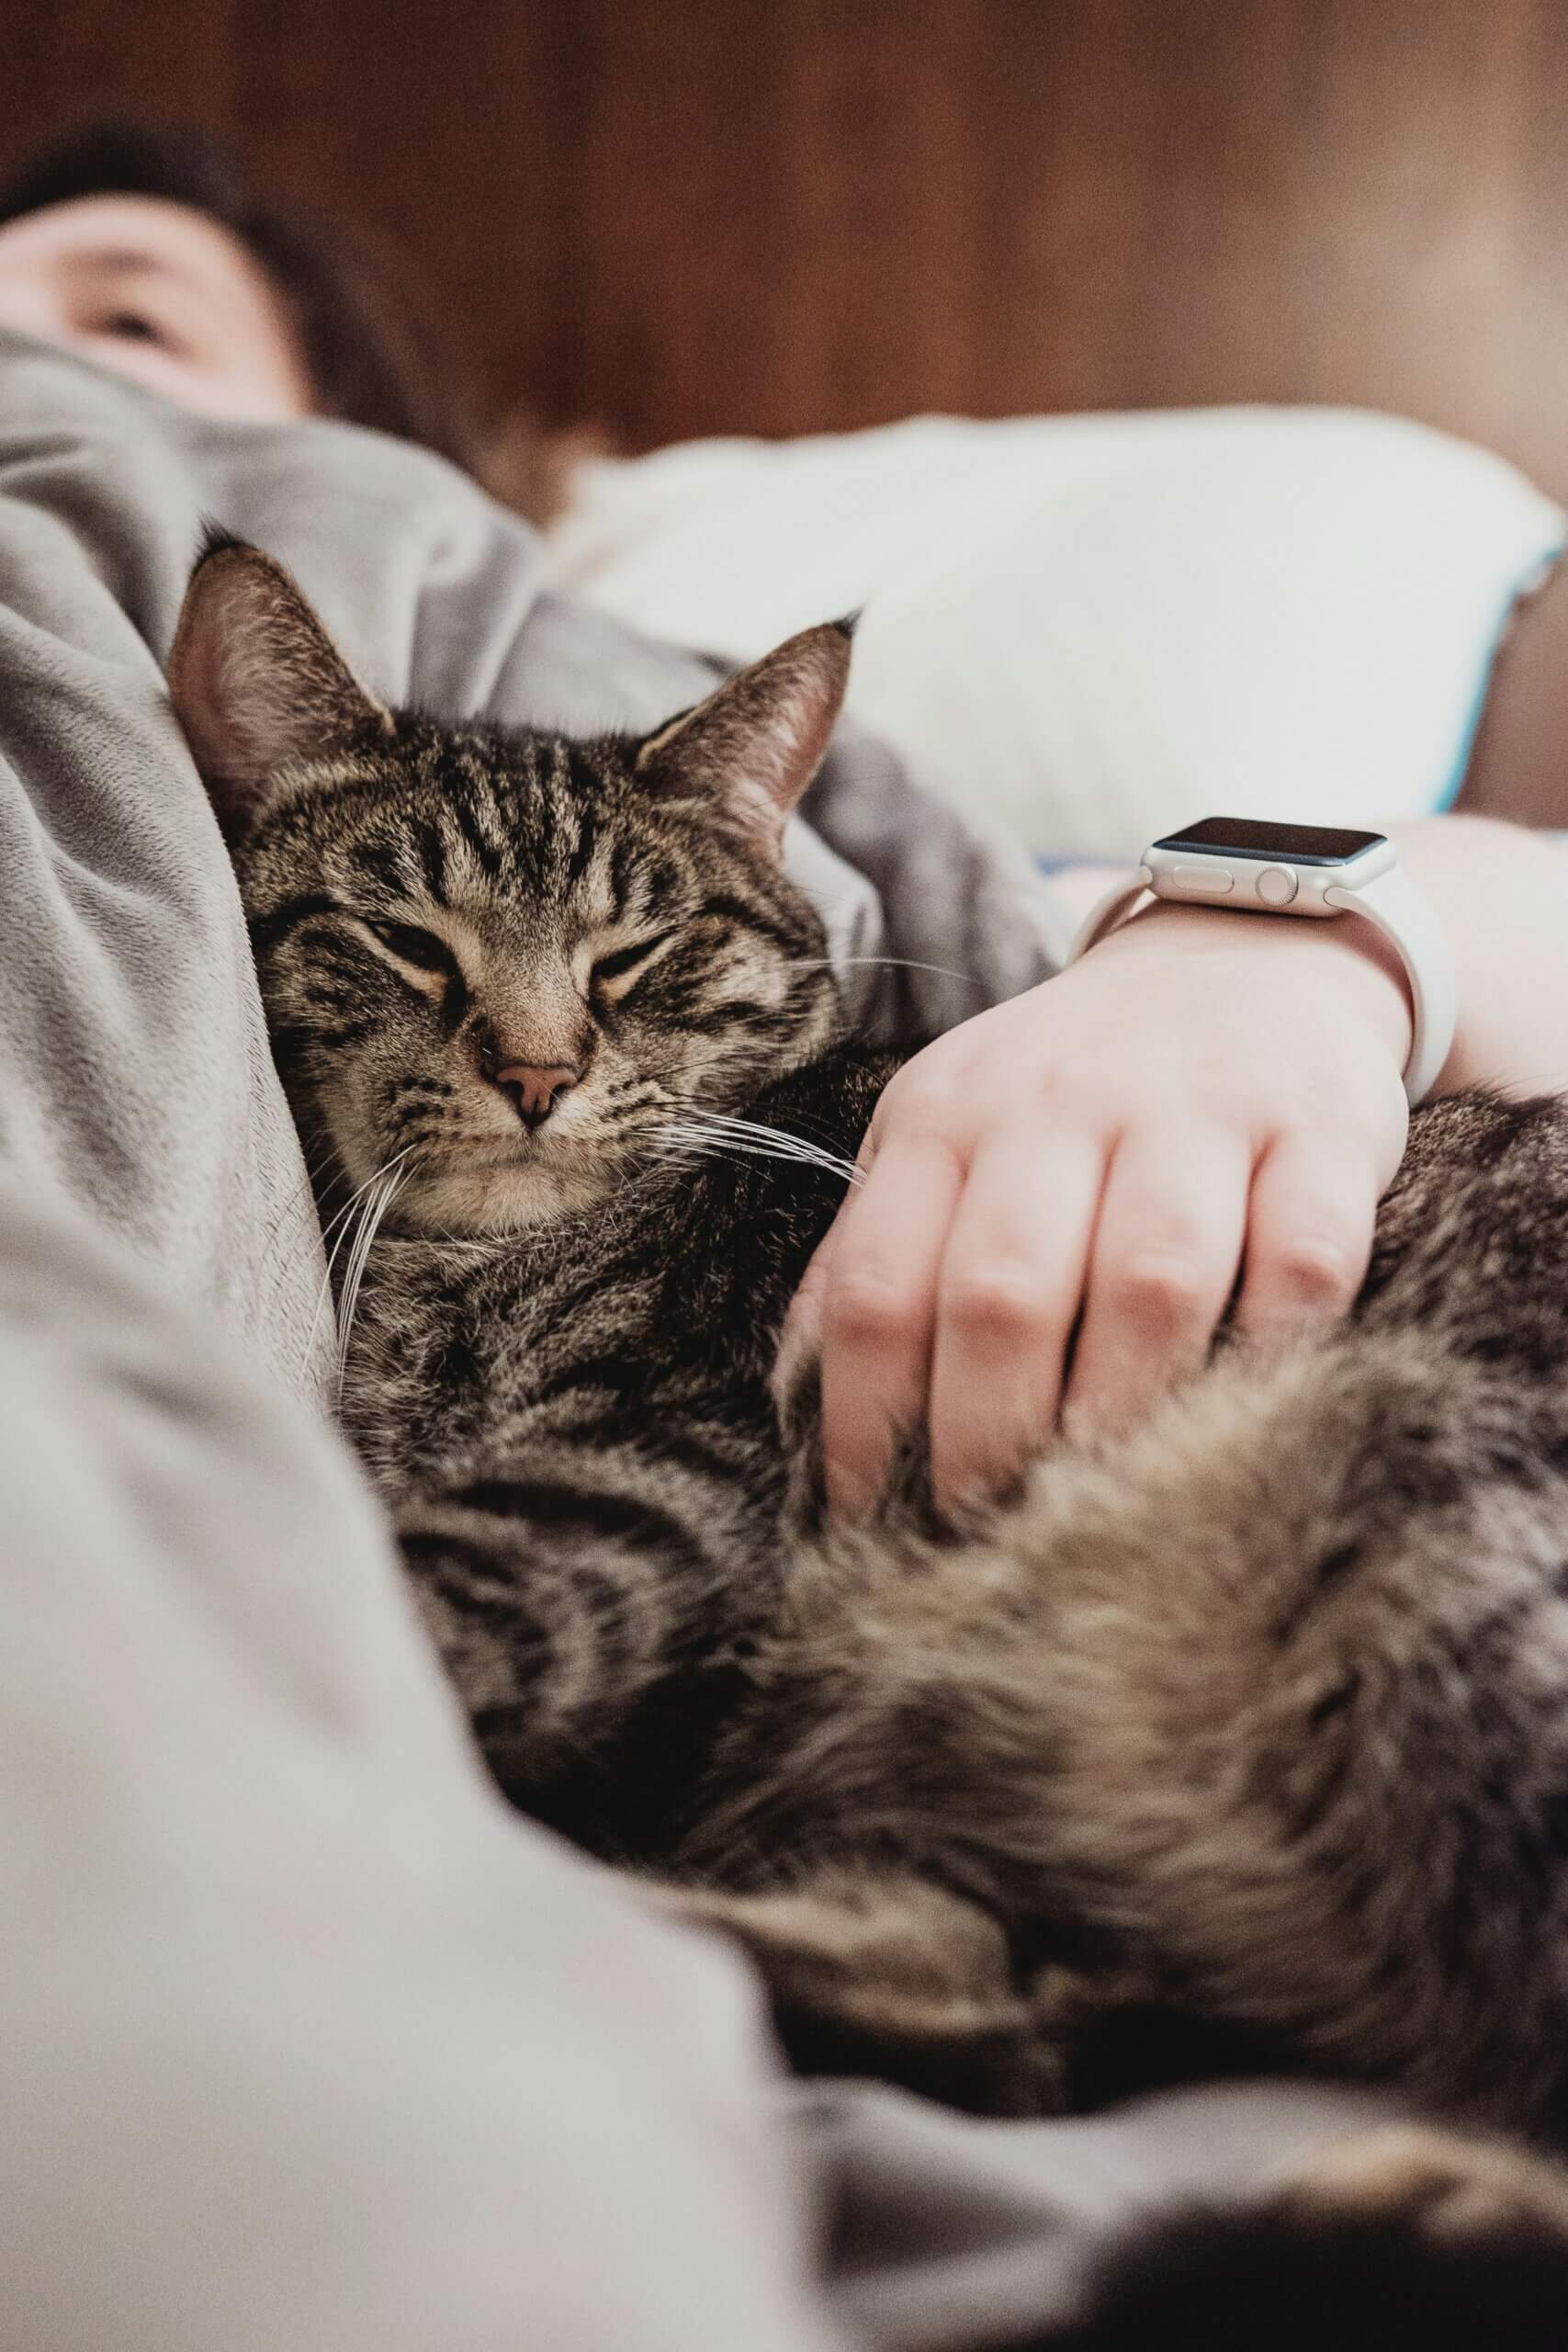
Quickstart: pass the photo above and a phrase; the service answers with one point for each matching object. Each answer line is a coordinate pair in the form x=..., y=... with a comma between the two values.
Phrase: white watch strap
x=1411, y=928
x=1406, y=921
x=1108, y=911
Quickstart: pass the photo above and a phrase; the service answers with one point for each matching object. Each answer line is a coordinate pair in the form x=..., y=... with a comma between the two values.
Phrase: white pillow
x=1097, y=629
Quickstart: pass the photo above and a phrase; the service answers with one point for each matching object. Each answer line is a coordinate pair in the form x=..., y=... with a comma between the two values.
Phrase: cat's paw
x=1402, y=2239
x=882, y=1973
x=1449, y=2189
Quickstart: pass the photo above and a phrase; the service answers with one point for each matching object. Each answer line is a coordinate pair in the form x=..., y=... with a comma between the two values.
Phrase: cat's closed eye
x=623, y=963
x=420, y=948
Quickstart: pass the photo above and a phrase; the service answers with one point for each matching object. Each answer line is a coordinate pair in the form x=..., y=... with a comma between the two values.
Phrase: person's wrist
x=1347, y=956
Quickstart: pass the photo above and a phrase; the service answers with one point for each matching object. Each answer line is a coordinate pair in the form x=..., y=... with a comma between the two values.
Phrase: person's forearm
x=1501, y=893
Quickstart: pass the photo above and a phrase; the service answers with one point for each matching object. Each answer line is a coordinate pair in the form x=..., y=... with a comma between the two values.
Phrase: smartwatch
x=1241, y=865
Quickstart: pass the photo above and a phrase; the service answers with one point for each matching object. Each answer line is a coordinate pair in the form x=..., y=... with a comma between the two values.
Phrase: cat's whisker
x=340, y=1221
x=892, y=963
x=715, y=1135
x=387, y=1187
x=294, y=1227
x=308, y=1225
x=771, y=1144
x=463, y=1245
x=804, y=1125
x=729, y=1122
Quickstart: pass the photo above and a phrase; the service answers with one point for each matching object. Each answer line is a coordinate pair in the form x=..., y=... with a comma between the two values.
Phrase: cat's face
x=503, y=967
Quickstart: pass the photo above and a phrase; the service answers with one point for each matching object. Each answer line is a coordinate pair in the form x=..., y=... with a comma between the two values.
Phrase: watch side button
x=1276, y=886
x=1203, y=881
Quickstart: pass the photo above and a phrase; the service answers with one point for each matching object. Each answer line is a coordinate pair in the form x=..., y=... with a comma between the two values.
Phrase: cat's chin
x=500, y=1199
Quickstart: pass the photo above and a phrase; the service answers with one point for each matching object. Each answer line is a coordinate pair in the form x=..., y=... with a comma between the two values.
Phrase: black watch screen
x=1249, y=836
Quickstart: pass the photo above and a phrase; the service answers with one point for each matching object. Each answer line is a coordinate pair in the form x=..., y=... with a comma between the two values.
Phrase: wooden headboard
x=678, y=217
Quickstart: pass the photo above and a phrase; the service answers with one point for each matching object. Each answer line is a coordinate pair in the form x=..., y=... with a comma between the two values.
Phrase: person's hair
x=368, y=355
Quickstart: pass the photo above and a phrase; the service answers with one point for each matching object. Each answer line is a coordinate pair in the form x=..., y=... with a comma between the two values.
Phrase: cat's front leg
x=587, y=1600
x=1402, y=2238
x=872, y=1970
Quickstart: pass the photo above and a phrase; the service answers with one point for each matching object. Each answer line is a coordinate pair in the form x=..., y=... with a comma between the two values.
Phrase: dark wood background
x=779, y=216
x=678, y=217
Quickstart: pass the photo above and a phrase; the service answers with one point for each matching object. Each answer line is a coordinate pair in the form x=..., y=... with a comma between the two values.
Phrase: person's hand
x=1058, y=1195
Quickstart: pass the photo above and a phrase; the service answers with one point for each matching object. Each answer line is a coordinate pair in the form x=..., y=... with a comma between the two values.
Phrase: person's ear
x=256, y=683
x=748, y=752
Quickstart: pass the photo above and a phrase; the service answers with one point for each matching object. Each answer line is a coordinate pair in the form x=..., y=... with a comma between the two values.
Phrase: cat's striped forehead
x=467, y=821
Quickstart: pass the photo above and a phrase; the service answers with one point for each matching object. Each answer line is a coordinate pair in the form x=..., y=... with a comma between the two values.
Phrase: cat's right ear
x=256, y=682
x=748, y=752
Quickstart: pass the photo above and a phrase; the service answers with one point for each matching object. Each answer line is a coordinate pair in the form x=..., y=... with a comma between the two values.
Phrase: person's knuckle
x=1159, y=1289
x=1078, y=1093
x=867, y=1307
x=996, y=1301
x=920, y=1111
x=1317, y=1269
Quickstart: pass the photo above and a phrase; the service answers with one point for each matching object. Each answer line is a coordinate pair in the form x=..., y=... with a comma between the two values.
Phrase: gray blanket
x=305, y=2042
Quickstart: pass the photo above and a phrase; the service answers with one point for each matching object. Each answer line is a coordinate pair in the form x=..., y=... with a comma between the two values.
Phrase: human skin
x=159, y=293
x=1060, y=1193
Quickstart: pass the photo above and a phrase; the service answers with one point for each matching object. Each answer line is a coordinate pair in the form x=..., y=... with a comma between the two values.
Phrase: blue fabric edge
x=1539, y=580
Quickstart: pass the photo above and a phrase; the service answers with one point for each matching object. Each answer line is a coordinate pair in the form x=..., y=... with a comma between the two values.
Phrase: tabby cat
x=1254, y=1718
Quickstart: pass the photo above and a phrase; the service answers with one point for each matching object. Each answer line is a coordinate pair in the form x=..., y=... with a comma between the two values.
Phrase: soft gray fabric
x=948, y=2232
x=304, y=2045
x=133, y=1065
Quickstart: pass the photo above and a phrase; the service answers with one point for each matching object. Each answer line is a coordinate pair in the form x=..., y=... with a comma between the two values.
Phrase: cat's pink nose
x=535, y=1091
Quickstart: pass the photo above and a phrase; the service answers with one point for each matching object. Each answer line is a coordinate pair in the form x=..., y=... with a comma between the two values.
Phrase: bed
x=323, y=2017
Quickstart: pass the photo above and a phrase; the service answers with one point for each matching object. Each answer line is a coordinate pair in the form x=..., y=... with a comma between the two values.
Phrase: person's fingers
x=802, y=1334
x=1163, y=1264
x=1008, y=1296
x=1309, y=1235
x=878, y=1300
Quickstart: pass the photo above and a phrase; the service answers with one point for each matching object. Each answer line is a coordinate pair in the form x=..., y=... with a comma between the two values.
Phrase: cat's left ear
x=256, y=682
x=750, y=751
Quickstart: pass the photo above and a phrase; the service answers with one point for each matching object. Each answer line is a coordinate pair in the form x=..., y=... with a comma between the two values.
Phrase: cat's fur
x=1256, y=1718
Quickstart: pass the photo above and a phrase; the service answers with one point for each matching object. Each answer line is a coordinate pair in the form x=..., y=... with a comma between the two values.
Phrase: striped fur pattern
x=1244, y=1735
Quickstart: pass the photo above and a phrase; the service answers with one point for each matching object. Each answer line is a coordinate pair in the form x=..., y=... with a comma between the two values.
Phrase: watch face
x=1247, y=837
